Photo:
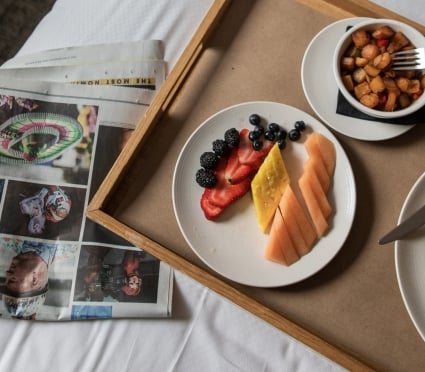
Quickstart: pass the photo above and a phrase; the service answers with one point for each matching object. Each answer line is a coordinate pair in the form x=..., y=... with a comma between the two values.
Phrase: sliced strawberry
x=236, y=172
x=225, y=194
x=234, y=176
x=211, y=211
x=247, y=155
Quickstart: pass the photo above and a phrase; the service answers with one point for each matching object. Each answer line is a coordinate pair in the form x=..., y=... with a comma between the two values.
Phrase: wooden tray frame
x=97, y=209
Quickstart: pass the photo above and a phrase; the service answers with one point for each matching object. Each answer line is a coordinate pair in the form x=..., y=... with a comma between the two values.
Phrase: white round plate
x=233, y=244
x=321, y=90
x=410, y=260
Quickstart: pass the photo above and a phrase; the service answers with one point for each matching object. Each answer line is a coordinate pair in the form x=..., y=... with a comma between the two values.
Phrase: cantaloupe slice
x=289, y=250
x=317, y=166
x=313, y=206
x=318, y=145
x=294, y=216
x=279, y=246
x=319, y=193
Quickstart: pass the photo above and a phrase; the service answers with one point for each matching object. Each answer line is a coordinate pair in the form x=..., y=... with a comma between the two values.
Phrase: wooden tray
x=134, y=201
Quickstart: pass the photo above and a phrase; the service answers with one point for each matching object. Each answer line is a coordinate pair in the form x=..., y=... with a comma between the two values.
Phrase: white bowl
x=415, y=37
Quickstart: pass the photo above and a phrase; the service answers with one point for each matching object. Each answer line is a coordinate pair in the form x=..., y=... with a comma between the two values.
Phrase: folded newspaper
x=59, y=136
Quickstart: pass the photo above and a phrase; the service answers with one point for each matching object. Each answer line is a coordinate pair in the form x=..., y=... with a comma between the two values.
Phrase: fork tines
x=413, y=59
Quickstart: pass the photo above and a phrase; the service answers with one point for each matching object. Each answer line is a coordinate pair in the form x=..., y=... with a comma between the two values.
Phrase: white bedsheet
x=206, y=332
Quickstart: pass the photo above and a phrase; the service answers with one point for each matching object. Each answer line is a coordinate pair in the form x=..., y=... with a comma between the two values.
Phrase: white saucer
x=321, y=91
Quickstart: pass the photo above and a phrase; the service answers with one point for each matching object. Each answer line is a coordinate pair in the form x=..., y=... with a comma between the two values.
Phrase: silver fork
x=413, y=59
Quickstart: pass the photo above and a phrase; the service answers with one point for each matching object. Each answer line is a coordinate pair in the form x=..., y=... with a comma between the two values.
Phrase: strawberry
x=211, y=211
x=234, y=176
x=224, y=194
x=236, y=172
x=247, y=155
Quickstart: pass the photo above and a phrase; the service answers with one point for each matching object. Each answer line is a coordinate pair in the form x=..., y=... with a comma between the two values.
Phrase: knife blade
x=411, y=223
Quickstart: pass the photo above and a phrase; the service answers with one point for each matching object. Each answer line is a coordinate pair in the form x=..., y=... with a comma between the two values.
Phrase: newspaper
x=57, y=143
x=132, y=64
x=142, y=50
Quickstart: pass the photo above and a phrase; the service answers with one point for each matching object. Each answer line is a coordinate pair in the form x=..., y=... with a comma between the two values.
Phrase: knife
x=411, y=223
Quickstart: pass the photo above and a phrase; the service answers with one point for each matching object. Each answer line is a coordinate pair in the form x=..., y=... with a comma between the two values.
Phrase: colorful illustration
x=37, y=137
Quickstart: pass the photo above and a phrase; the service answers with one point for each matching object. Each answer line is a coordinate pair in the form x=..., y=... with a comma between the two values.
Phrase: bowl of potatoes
x=362, y=68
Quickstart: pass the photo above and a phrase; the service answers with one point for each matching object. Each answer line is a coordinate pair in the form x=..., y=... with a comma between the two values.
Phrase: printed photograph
x=116, y=275
x=42, y=211
x=35, y=277
x=46, y=141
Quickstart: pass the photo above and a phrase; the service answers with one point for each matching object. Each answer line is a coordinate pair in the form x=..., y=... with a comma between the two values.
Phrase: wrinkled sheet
x=412, y=9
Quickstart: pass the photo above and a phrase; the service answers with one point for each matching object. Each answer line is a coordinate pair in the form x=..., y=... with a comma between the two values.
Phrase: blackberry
x=231, y=136
x=221, y=148
x=254, y=119
x=208, y=160
x=205, y=178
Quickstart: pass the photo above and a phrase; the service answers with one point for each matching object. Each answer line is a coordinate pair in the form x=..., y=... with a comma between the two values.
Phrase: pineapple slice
x=268, y=186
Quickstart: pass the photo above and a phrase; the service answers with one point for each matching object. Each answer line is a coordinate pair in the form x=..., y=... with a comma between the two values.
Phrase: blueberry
x=300, y=125
x=269, y=135
x=274, y=128
x=294, y=134
x=257, y=145
x=254, y=135
x=255, y=119
x=259, y=129
x=281, y=135
x=281, y=143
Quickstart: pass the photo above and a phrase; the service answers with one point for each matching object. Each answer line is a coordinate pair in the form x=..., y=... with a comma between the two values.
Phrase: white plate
x=233, y=245
x=321, y=90
x=410, y=260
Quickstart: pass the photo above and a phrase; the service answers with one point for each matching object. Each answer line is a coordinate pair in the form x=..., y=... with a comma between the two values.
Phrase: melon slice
x=279, y=246
x=292, y=214
x=319, y=193
x=318, y=146
x=317, y=166
x=316, y=214
x=295, y=213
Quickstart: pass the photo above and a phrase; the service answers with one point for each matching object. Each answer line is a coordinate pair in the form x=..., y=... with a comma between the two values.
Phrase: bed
x=205, y=331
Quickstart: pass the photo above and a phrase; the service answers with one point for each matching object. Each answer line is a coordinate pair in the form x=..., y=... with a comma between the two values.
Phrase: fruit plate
x=233, y=245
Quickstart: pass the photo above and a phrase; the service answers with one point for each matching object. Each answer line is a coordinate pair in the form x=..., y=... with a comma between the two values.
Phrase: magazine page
x=57, y=143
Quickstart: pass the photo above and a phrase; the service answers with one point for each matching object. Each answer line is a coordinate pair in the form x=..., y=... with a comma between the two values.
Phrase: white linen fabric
x=206, y=332
x=412, y=9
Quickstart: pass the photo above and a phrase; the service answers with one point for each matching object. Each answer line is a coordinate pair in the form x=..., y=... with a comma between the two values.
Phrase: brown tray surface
x=354, y=302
